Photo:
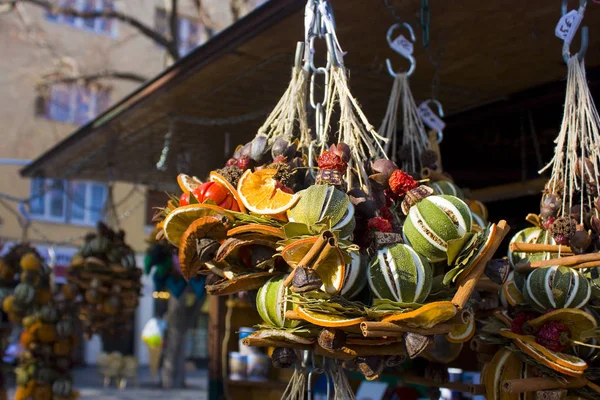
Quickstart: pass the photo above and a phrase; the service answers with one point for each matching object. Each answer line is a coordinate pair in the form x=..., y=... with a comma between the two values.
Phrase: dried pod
x=415, y=344
x=585, y=168
x=581, y=240
x=342, y=150
x=245, y=151
x=595, y=224
x=550, y=206
x=384, y=166
x=437, y=373
x=331, y=338
x=279, y=147
x=284, y=357
x=414, y=196
x=259, y=254
x=363, y=204
x=394, y=361
x=305, y=279
x=579, y=213
x=563, y=229
x=258, y=147
x=497, y=270
x=371, y=367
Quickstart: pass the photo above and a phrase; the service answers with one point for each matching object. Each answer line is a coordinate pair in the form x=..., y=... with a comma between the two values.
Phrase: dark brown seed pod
x=581, y=240
x=371, y=367
x=305, y=279
x=551, y=205
x=497, y=270
x=283, y=357
x=331, y=338
x=437, y=373
x=563, y=229
x=415, y=344
x=394, y=361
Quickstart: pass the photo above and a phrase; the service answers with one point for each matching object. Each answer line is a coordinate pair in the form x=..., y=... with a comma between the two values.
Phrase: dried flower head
x=563, y=229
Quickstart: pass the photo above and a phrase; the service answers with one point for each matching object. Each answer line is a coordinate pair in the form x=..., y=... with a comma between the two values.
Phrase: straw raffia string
x=577, y=141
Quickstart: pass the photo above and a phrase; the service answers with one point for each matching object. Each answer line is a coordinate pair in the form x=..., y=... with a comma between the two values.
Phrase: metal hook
x=413, y=62
x=584, y=32
x=440, y=109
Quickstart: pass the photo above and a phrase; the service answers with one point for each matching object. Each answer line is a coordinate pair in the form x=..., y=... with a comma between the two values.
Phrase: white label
x=567, y=26
x=430, y=118
x=403, y=46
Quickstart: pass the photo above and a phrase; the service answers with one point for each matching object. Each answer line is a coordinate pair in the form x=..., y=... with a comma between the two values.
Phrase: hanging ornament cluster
x=104, y=279
x=354, y=258
x=23, y=264
x=546, y=340
x=48, y=340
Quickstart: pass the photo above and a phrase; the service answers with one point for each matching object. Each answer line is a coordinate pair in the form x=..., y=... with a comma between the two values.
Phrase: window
x=191, y=32
x=73, y=102
x=75, y=202
x=103, y=26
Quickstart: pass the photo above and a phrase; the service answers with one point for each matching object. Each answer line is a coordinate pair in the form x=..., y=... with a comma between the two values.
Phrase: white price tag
x=567, y=26
x=403, y=46
x=430, y=118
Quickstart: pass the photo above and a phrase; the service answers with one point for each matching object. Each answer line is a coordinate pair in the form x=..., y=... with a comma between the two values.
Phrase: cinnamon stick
x=535, y=384
x=589, y=264
x=330, y=246
x=309, y=257
x=539, y=248
x=261, y=342
x=418, y=380
x=467, y=286
x=349, y=352
x=384, y=329
x=477, y=389
x=569, y=261
x=291, y=314
x=428, y=173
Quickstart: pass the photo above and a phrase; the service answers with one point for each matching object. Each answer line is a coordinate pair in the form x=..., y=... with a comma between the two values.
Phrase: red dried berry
x=550, y=334
x=401, y=182
x=547, y=223
x=244, y=162
x=379, y=224
x=330, y=160
x=518, y=323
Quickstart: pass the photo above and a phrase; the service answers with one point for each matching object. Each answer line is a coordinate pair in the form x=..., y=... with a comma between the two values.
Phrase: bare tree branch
x=174, y=24
x=128, y=76
x=128, y=19
x=210, y=27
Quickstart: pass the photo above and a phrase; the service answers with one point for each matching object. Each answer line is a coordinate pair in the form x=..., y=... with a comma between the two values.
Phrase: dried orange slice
x=265, y=230
x=261, y=194
x=505, y=365
x=187, y=183
x=462, y=333
x=426, y=316
x=181, y=218
x=512, y=294
x=578, y=321
x=328, y=320
x=332, y=270
x=558, y=362
x=204, y=227
x=504, y=317
x=552, y=359
x=216, y=177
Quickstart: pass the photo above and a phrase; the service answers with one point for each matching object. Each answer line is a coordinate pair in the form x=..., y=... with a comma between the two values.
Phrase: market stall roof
x=219, y=94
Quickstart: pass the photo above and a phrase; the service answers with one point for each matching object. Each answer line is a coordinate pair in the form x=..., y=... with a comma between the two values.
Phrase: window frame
x=80, y=23
x=97, y=97
x=68, y=203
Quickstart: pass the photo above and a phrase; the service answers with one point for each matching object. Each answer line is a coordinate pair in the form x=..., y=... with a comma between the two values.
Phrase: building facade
x=50, y=84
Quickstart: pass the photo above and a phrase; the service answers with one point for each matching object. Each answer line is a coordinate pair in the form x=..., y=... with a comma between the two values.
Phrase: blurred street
x=90, y=385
